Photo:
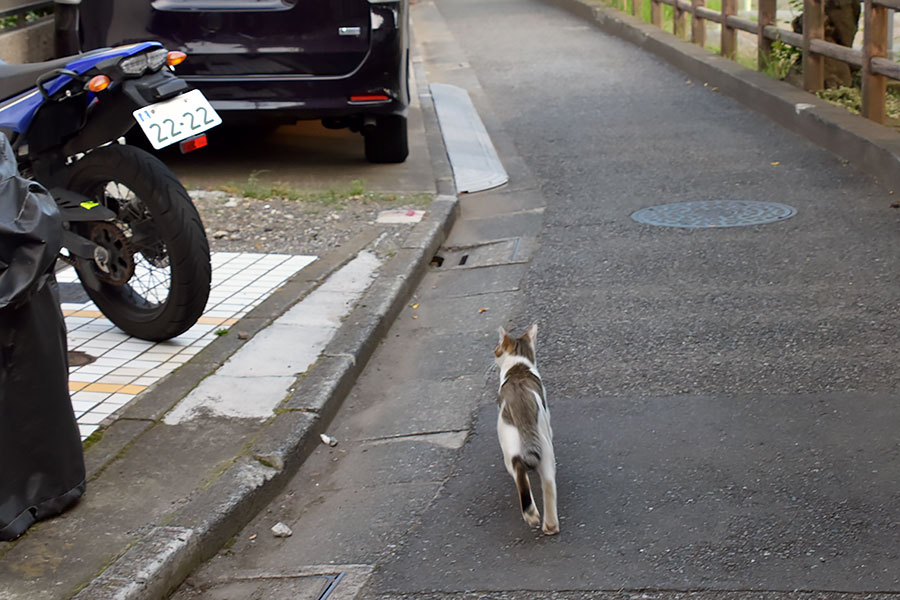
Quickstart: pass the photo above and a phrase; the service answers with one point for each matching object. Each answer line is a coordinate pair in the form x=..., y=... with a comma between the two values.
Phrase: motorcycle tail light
x=157, y=58
x=175, y=58
x=134, y=65
x=98, y=83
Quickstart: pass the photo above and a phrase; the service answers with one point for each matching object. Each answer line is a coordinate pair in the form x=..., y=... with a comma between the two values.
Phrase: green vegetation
x=784, y=57
x=851, y=99
x=92, y=440
x=24, y=19
x=335, y=198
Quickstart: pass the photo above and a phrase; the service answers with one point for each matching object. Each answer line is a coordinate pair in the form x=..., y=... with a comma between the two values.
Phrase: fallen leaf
x=482, y=310
x=776, y=163
x=414, y=306
x=252, y=537
x=415, y=316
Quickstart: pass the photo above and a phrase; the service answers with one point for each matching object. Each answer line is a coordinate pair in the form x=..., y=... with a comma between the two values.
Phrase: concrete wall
x=32, y=43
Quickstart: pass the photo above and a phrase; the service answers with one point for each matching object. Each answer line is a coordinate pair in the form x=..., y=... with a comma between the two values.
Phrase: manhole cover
x=714, y=213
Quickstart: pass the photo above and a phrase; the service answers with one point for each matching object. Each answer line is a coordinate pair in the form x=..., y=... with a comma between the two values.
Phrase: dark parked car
x=345, y=62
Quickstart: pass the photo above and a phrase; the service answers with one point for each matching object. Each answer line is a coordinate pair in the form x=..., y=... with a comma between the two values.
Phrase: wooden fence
x=873, y=59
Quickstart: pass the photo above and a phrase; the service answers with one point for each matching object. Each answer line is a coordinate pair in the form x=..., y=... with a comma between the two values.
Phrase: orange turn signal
x=98, y=83
x=175, y=58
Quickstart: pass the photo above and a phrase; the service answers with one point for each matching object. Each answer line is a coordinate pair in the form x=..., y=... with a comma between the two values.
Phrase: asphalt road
x=724, y=400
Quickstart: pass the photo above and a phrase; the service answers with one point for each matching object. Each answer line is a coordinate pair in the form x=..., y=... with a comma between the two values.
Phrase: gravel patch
x=235, y=223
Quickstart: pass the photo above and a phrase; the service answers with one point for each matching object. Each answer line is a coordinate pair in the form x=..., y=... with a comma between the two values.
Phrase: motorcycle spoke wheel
x=156, y=281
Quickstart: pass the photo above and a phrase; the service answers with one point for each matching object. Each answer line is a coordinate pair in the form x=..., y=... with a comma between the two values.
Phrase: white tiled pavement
x=126, y=366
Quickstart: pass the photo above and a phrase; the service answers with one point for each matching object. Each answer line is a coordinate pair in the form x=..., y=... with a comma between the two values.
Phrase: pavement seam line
x=401, y=436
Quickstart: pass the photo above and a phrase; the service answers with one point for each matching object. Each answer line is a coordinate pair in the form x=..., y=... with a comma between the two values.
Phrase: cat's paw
x=532, y=517
x=550, y=529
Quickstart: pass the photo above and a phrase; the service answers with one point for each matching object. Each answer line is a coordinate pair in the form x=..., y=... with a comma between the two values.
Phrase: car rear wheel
x=387, y=142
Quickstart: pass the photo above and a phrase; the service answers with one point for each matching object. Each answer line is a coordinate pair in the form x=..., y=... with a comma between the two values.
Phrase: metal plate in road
x=476, y=166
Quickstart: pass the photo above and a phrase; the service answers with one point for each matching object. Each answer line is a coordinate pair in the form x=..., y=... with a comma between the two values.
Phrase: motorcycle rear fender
x=112, y=115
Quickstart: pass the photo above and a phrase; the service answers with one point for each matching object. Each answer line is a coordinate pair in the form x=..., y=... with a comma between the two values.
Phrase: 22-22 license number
x=177, y=119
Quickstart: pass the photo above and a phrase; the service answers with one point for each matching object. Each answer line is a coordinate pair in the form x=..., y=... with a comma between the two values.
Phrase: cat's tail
x=526, y=500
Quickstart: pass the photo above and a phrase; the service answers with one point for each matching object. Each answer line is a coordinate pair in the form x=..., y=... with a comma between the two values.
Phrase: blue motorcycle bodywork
x=16, y=112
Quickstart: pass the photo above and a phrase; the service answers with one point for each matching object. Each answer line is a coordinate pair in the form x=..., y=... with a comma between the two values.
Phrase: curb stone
x=161, y=560
x=873, y=148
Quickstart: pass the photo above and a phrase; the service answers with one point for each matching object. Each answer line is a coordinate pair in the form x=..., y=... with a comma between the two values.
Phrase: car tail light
x=370, y=98
x=194, y=143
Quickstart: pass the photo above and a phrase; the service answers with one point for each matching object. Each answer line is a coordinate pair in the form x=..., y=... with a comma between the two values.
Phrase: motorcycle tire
x=158, y=278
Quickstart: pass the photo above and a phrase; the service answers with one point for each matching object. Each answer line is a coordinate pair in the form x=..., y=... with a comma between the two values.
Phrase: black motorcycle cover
x=41, y=461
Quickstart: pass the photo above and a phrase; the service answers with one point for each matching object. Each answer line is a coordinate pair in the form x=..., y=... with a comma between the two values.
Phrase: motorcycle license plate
x=176, y=119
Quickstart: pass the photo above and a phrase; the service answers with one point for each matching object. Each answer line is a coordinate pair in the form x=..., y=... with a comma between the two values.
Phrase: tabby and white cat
x=523, y=426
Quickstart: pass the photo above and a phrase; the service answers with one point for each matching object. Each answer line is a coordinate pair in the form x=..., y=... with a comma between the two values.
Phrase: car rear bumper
x=384, y=72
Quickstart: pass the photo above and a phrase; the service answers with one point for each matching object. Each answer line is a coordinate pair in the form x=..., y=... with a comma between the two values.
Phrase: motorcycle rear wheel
x=159, y=274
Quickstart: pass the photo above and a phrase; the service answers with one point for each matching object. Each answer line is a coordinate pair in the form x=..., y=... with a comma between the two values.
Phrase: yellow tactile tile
x=107, y=388
x=77, y=386
x=132, y=389
x=216, y=321
x=211, y=320
x=94, y=314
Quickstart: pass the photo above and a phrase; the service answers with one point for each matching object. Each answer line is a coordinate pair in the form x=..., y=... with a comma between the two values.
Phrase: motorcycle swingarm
x=83, y=252
x=74, y=207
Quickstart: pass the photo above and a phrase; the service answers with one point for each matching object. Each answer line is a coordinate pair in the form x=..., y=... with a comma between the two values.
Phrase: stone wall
x=32, y=43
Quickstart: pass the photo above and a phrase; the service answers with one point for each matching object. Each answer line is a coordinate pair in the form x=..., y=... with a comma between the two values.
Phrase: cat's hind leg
x=547, y=470
x=526, y=499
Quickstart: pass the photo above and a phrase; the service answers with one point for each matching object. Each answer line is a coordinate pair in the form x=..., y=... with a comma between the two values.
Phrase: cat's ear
x=502, y=333
x=531, y=334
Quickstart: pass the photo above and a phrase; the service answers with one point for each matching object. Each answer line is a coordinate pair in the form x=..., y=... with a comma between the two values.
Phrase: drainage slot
x=463, y=260
x=437, y=261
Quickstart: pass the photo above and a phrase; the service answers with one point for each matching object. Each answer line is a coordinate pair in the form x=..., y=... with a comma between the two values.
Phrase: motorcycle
x=130, y=229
